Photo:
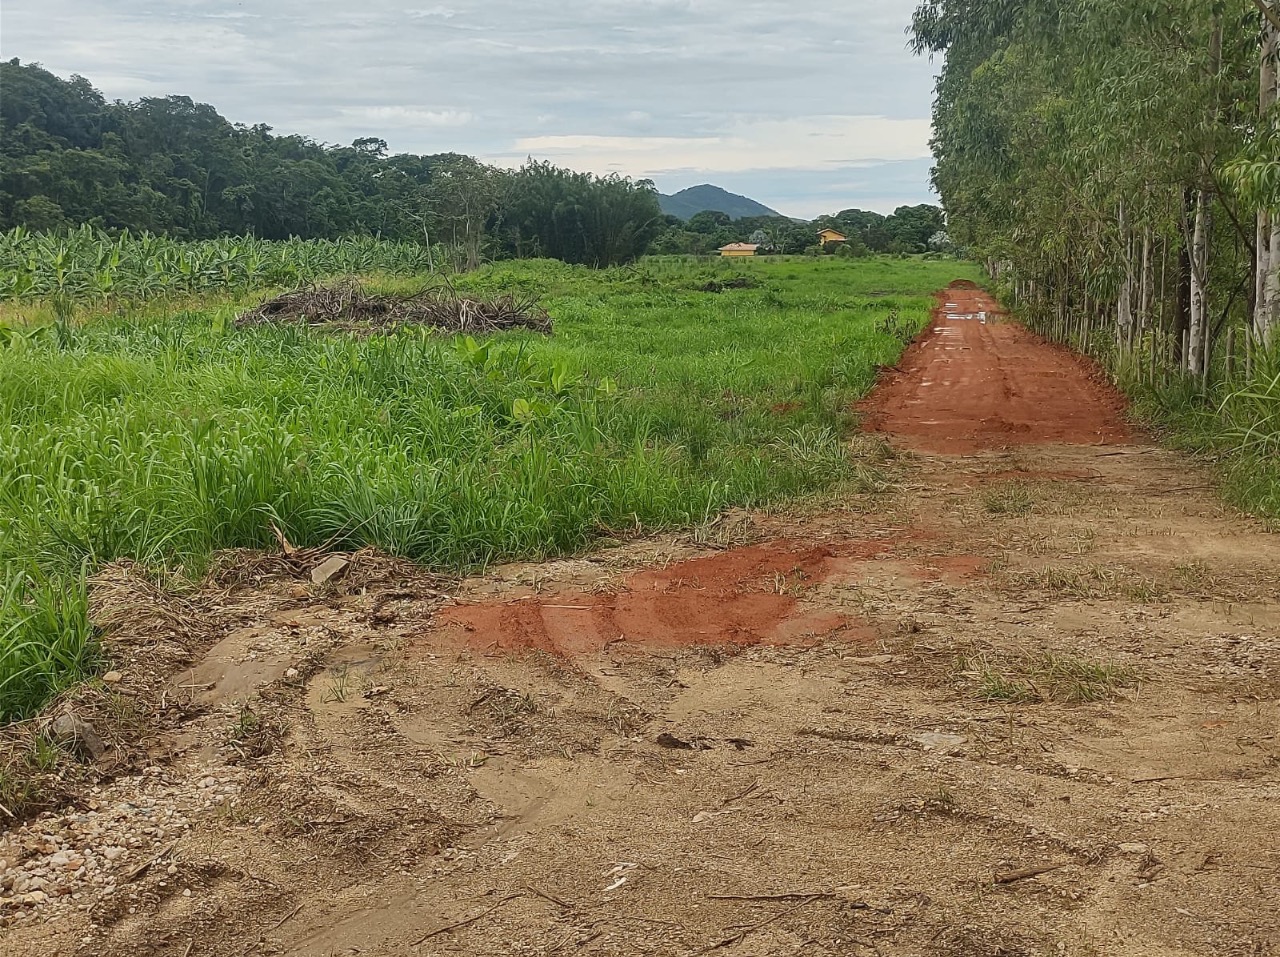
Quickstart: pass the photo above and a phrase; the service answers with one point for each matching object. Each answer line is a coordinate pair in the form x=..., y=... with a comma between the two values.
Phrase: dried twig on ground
x=465, y=921
x=783, y=896
x=740, y=935
x=1010, y=877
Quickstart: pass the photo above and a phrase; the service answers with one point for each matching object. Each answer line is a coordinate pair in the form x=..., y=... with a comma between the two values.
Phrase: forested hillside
x=1117, y=162
x=908, y=229
x=174, y=167
x=171, y=166
x=689, y=202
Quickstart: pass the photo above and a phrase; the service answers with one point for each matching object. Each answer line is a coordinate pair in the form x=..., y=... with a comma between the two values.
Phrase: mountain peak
x=689, y=202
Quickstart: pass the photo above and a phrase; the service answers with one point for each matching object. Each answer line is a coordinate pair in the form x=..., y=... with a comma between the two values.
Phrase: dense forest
x=173, y=167
x=170, y=166
x=1117, y=163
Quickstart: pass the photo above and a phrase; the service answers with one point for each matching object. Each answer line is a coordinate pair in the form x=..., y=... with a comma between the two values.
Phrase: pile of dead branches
x=720, y=285
x=348, y=305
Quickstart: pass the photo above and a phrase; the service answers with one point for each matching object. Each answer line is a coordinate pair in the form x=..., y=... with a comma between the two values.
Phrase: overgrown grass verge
x=656, y=404
x=1231, y=417
x=1009, y=498
x=1235, y=422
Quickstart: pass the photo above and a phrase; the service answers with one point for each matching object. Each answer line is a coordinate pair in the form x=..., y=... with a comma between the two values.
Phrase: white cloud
x=802, y=143
x=394, y=117
x=444, y=13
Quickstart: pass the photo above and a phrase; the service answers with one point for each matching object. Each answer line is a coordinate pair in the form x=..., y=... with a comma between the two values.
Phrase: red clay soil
x=739, y=597
x=966, y=385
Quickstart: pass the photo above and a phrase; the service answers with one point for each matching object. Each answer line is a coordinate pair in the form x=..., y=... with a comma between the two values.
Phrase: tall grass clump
x=1232, y=417
x=164, y=438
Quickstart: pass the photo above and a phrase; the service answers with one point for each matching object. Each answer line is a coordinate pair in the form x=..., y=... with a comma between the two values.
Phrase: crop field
x=87, y=267
x=163, y=436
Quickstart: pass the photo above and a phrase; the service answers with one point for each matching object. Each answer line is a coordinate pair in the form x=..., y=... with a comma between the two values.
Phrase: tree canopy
x=1115, y=159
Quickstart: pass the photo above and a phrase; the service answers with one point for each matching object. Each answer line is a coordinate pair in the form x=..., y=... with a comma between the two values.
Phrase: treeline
x=176, y=168
x=1117, y=163
x=909, y=229
x=173, y=167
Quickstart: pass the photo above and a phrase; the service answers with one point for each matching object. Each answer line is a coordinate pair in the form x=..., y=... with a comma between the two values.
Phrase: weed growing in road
x=339, y=686
x=1067, y=679
x=1091, y=582
x=1009, y=498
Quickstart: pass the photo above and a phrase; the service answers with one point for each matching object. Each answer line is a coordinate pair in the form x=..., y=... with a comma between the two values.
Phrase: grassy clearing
x=1067, y=679
x=164, y=438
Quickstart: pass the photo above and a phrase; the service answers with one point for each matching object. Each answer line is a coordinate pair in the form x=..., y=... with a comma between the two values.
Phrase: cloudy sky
x=807, y=107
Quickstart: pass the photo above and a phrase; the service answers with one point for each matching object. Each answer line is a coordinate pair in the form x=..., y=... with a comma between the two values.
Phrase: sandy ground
x=1026, y=704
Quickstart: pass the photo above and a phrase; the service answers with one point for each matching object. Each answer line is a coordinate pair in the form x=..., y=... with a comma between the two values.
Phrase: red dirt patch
x=950, y=568
x=740, y=597
x=966, y=385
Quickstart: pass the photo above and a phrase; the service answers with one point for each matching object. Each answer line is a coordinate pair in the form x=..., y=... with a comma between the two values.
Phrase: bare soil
x=1026, y=704
x=971, y=382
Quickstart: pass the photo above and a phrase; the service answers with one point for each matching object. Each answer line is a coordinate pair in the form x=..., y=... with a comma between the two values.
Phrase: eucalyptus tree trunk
x=1198, y=345
x=1266, y=317
x=1199, y=318
x=1144, y=283
x=1124, y=307
x=1182, y=290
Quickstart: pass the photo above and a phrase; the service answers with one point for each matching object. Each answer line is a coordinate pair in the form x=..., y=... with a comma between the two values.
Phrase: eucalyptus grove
x=1116, y=162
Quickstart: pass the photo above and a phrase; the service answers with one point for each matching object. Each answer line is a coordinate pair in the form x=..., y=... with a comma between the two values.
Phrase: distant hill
x=695, y=199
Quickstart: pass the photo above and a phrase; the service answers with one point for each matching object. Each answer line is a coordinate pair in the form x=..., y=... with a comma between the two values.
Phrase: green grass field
x=163, y=438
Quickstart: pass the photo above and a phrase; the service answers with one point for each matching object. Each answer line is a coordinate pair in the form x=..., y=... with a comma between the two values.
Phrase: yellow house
x=739, y=249
x=830, y=236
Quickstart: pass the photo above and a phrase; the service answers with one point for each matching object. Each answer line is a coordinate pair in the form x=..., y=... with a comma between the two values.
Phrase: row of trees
x=170, y=166
x=909, y=229
x=1116, y=162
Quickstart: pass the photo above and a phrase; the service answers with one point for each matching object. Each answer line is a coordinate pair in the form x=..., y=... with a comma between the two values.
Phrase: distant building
x=830, y=236
x=739, y=249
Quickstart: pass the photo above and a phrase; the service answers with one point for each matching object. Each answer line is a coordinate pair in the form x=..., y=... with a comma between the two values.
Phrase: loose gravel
x=74, y=859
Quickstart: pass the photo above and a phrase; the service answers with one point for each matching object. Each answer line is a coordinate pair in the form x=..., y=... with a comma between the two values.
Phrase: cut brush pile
x=348, y=305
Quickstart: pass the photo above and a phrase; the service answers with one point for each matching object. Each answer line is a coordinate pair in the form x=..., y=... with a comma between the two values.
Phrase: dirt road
x=1026, y=704
x=972, y=383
